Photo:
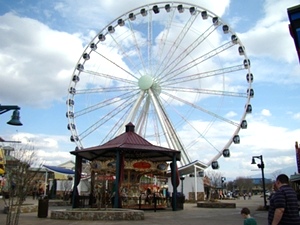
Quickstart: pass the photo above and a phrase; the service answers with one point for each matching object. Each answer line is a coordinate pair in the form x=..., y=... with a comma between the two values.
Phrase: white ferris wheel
x=176, y=70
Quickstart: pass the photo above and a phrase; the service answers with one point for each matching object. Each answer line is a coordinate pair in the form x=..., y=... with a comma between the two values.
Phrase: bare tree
x=18, y=178
x=215, y=181
x=230, y=186
x=215, y=177
x=244, y=184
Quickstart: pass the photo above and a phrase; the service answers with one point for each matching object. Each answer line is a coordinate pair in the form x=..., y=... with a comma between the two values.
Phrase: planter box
x=215, y=205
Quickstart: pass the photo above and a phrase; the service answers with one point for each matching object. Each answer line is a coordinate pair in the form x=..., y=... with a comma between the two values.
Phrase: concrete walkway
x=191, y=215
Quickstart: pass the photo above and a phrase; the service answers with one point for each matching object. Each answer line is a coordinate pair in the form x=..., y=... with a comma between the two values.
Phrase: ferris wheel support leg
x=117, y=181
x=174, y=194
x=172, y=138
x=132, y=114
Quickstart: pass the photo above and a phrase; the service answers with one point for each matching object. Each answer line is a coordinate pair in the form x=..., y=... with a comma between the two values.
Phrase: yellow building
x=2, y=162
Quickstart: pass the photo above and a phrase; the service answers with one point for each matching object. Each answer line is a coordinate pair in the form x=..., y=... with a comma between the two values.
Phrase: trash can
x=43, y=208
x=180, y=199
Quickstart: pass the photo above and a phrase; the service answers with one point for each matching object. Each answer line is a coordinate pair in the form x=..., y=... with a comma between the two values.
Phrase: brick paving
x=190, y=215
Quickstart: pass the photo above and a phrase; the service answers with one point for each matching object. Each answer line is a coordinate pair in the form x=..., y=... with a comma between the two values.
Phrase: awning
x=62, y=170
x=190, y=168
x=295, y=178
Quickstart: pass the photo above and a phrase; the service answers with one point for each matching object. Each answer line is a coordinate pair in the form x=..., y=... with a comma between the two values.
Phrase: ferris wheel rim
x=148, y=81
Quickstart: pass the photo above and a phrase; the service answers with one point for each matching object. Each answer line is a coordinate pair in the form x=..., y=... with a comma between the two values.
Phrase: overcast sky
x=41, y=42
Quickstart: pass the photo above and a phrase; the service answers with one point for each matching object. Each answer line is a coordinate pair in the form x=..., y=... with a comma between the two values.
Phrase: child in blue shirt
x=248, y=220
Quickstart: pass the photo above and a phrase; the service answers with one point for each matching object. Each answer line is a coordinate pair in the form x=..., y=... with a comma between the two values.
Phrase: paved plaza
x=189, y=216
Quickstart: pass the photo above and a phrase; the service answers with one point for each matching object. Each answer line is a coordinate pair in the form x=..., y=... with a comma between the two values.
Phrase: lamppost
x=223, y=180
x=15, y=118
x=261, y=166
x=182, y=179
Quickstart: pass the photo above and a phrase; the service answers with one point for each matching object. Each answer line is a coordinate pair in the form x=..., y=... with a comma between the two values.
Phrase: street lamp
x=15, y=118
x=182, y=179
x=223, y=179
x=261, y=166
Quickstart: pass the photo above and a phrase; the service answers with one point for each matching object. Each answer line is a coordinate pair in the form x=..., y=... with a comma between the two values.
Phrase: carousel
x=128, y=172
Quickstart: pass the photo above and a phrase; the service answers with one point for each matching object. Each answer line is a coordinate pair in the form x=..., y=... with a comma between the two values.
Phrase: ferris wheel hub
x=145, y=82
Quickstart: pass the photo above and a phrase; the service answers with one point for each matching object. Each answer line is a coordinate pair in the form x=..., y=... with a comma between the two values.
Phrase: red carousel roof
x=132, y=145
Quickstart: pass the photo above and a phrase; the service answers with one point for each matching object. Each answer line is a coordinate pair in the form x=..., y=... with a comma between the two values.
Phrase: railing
x=152, y=202
x=84, y=201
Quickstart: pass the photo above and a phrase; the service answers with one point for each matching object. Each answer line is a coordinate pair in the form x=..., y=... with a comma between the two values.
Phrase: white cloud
x=266, y=112
x=41, y=59
x=36, y=61
x=270, y=46
x=296, y=116
x=270, y=37
x=52, y=149
x=231, y=114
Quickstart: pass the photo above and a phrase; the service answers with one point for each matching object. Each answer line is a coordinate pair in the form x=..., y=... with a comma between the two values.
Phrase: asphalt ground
x=190, y=215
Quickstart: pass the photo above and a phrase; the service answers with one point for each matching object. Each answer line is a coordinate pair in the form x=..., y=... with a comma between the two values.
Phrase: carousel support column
x=91, y=200
x=174, y=176
x=46, y=181
x=75, y=194
x=195, y=180
x=118, y=161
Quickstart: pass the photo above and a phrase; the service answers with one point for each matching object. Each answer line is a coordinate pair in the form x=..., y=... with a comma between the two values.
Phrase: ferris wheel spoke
x=117, y=65
x=109, y=76
x=149, y=43
x=114, y=112
x=124, y=53
x=194, y=63
x=171, y=135
x=175, y=45
x=111, y=101
x=206, y=91
x=104, y=90
x=116, y=127
x=202, y=109
x=196, y=129
x=172, y=66
x=212, y=73
x=165, y=35
x=137, y=46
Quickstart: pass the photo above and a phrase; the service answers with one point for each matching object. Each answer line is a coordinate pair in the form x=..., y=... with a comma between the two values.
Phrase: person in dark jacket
x=284, y=208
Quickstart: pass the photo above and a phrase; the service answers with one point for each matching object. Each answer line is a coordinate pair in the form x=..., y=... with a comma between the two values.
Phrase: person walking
x=283, y=208
x=248, y=220
x=34, y=192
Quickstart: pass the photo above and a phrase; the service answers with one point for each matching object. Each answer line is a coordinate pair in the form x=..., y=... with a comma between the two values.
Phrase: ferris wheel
x=175, y=70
